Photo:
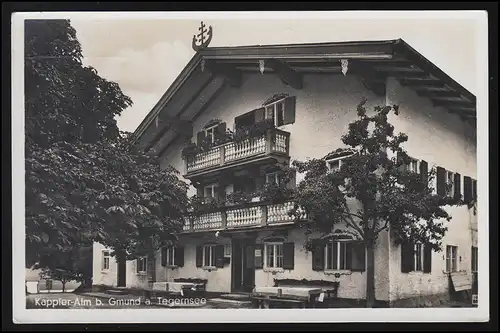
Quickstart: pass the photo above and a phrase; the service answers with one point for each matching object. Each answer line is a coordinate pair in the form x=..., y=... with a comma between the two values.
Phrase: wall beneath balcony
x=324, y=108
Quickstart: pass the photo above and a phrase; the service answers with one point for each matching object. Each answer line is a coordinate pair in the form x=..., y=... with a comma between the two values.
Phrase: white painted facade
x=324, y=108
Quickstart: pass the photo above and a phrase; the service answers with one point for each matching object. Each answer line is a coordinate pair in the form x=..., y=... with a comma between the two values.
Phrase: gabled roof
x=212, y=68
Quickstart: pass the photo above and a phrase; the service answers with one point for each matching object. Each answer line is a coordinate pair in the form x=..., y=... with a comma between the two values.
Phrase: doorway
x=122, y=271
x=243, y=265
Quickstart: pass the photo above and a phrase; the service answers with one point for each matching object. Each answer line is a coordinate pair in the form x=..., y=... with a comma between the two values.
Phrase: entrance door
x=122, y=271
x=243, y=265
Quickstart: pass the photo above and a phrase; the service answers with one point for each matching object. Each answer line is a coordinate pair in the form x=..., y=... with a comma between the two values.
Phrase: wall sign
x=258, y=253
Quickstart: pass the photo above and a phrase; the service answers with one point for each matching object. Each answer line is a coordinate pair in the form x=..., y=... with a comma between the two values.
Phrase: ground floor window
x=209, y=256
x=344, y=255
x=474, y=259
x=105, y=260
x=274, y=255
x=142, y=264
x=451, y=258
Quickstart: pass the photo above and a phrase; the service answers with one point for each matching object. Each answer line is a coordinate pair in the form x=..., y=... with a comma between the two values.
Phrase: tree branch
x=386, y=224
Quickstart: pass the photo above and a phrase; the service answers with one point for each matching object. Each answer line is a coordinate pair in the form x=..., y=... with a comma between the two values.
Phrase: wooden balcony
x=252, y=215
x=275, y=144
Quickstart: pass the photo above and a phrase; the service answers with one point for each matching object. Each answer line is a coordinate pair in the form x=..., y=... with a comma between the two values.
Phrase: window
x=418, y=266
x=170, y=255
x=210, y=191
x=272, y=178
x=105, y=260
x=274, y=255
x=276, y=111
x=474, y=259
x=209, y=256
x=416, y=257
x=344, y=255
x=336, y=256
x=210, y=133
x=451, y=258
x=334, y=164
x=142, y=264
x=412, y=166
x=450, y=183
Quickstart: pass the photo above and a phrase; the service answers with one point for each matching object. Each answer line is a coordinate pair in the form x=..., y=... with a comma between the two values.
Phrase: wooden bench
x=269, y=297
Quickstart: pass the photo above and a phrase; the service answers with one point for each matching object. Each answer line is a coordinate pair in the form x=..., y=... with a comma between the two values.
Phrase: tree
x=85, y=182
x=386, y=193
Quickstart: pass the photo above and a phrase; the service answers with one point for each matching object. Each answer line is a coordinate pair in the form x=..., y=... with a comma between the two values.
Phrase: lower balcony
x=258, y=214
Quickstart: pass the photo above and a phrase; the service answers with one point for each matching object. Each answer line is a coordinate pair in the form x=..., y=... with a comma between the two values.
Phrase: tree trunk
x=370, y=274
x=63, y=286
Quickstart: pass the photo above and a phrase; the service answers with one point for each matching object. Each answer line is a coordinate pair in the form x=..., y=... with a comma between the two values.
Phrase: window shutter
x=199, y=256
x=407, y=257
x=292, y=183
x=259, y=260
x=219, y=256
x=318, y=257
x=220, y=131
x=474, y=189
x=427, y=259
x=259, y=114
x=467, y=189
x=164, y=256
x=349, y=248
x=179, y=256
x=424, y=171
x=458, y=190
x=288, y=255
x=150, y=267
x=200, y=136
x=441, y=181
x=289, y=117
x=358, y=257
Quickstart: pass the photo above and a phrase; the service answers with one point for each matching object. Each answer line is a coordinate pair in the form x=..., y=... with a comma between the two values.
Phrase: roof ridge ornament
x=203, y=38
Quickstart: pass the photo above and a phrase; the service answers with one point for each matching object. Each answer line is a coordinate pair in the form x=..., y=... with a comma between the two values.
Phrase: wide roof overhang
x=213, y=68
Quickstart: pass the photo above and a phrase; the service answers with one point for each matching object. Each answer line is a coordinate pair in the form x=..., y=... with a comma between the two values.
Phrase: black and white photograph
x=250, y=166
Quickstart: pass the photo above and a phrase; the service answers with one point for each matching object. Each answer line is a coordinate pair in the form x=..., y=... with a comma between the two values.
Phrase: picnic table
x=303, y=297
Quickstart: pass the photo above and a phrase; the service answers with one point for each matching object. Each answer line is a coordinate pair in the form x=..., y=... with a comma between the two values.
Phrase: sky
x=144, y=56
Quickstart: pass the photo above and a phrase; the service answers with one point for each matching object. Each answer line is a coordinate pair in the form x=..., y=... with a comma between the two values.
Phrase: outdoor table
x=302, y=296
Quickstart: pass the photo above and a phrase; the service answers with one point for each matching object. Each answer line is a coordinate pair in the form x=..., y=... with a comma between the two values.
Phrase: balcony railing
x=274, y=142
x=251, y=215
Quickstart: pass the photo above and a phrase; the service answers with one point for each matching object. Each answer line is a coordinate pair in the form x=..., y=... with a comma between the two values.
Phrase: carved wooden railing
x=273, y=142
x=248, y=215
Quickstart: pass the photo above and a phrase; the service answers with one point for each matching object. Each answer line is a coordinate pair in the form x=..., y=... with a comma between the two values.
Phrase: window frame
x=214, y=187
x=212, y=258
x=449, y=259
x=210, y=131
x=143, y=259
x=275, y=246
x=418, y=254
x=413, y=165
x=103, y=260
x=275, y=111
x=170, y=253
x=335, y=159
x=449, y=177
x=274, y=174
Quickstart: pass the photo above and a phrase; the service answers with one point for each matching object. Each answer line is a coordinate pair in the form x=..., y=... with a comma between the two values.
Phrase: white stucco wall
x=442, y=139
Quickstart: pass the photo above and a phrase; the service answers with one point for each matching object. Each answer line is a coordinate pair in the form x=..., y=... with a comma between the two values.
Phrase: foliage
x=84, y=180
x=373, y=190
x=199, y=205
x=254, y=131
x=274, y=98
x=238, y=197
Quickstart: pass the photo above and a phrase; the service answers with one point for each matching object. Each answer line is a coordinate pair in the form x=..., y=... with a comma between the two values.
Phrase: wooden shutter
x=219, y=256
x=407, y=257
x=220, y=131
x=199, y=256
x=424, y=171
x=458, y=191
x=259, y=260
x=292, y=183
x=200, y=136
x=179, y=256
x=358, y=257
x=318, y=257
x=474, y=189
x=348, y=254
x=199, y=191
x=289, y=117
x=427, y=259
x=467, y=189
x=441, y=181
x=259, y=114
x=288, y=255
x=164, y=256
x=151, y=267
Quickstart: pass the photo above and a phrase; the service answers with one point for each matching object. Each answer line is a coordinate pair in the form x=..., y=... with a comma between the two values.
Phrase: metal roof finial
x=203, y=38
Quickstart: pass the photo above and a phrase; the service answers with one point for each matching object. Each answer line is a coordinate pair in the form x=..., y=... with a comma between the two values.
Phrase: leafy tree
x=373, y=190
x=84, y=180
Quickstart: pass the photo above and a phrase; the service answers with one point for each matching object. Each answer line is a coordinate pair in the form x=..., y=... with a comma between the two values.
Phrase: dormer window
x=276, y=112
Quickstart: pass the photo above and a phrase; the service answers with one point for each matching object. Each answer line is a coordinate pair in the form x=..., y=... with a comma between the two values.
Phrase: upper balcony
x=274, y=145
